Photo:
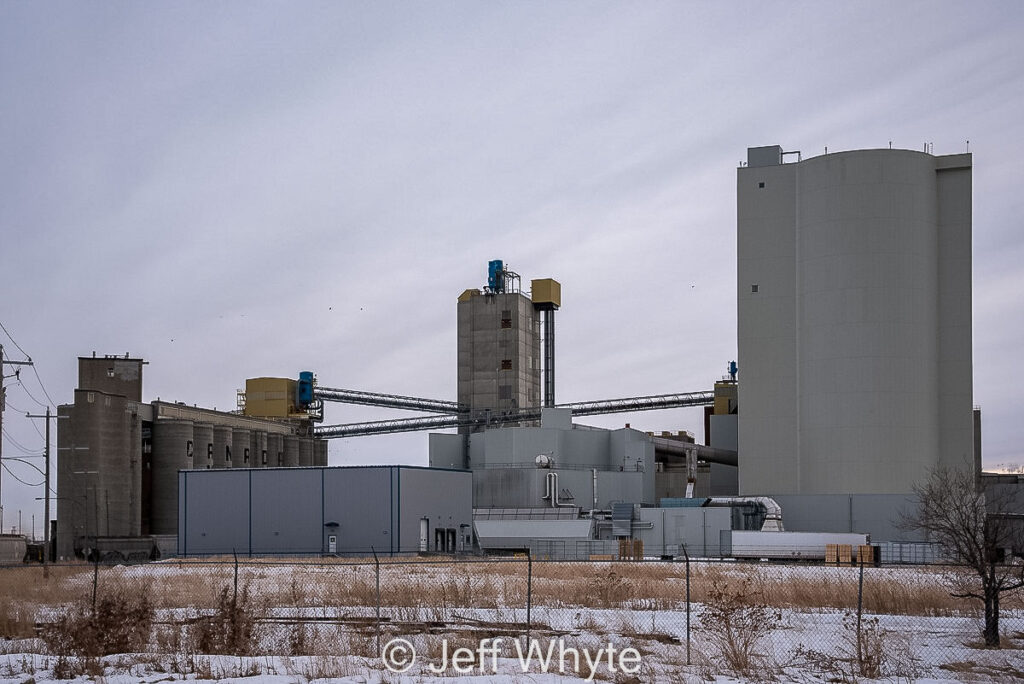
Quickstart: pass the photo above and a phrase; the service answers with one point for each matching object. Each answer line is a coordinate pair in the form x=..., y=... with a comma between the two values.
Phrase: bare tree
x=980, y=534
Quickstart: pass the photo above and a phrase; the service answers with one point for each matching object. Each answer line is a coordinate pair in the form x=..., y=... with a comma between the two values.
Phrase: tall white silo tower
x=854, y=320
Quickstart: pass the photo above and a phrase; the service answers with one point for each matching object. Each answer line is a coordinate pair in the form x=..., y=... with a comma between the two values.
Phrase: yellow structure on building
x=270, y=397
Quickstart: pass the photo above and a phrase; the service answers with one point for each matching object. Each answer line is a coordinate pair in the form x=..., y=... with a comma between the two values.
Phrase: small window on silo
x=753, y=288
x=280, y=458
x=761, y=184
x=189, y=452
x=506, y=364
x=263, y=456
x=227, y=453
x=209, y=453
x=245, y=456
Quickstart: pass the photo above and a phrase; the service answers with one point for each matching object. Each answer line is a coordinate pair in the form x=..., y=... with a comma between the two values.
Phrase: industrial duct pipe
x=773, y=511
x=551, y=491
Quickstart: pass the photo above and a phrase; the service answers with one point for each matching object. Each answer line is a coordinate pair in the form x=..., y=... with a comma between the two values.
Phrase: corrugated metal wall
x=277, y=511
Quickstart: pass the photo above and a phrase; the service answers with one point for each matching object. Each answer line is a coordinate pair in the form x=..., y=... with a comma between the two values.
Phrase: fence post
x=686, y=556
x=860, y=610
x=529, y=593
x=95, y=578
x=376, y=563
x=234, y=592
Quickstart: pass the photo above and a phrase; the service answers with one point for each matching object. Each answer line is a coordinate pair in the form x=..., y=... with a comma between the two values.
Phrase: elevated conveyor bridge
x=451, y=415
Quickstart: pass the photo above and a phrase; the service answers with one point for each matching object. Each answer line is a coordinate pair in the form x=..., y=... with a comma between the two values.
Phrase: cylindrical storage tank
x=291, y=451
x=867, y=347
x=275, y=450
x=172, y=451
x=222, y=446
x=305, y=452
x=264, y=452
x=258, y=449
x=202, y=452
x=320, y=452
x=241, y=448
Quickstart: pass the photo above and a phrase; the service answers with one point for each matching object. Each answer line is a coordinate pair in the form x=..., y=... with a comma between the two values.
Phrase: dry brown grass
x=428, y=590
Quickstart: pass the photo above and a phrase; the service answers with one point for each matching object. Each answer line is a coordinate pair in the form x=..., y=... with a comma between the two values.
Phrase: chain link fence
x=684, y=620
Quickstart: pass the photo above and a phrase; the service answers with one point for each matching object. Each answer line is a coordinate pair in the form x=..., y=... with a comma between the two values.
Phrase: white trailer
x=786, y=545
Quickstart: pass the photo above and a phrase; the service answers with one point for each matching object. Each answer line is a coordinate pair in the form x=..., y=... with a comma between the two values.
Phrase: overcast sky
x=231, y=189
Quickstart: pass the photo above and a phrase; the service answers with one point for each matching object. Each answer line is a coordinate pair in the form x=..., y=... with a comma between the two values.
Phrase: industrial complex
x=853, y=381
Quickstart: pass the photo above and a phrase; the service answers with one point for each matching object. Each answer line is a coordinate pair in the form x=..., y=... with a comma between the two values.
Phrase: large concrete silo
x=241, y=448
x=173, y=449
x=275, y=450
x=258, y=449
x=305, y=452
x=202, y=446
x=291, y=451
x=320, y=452
x=854, y=311
x=222, y=446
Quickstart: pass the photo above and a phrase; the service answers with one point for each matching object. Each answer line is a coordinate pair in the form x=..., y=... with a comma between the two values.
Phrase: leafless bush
x=231, y=629
x=16, y=621
x=866, y=651
x=737, y=620
x=119, y=623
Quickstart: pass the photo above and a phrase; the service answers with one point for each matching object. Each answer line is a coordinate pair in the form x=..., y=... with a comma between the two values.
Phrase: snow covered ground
x=606, y=622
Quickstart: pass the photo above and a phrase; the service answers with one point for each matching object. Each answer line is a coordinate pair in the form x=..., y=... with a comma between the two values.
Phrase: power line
x=13, y=340
x=43, y=387
x=18, y=444
x=15, y=408
x=27, y=484
x=21, y=410
x=22, y=386
x=34, y=370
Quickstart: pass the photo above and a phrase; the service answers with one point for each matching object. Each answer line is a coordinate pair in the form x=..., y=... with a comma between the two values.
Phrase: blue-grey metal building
x=311, y=511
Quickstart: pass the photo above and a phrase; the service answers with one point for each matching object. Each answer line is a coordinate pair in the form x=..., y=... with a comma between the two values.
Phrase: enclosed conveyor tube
x=773, y=511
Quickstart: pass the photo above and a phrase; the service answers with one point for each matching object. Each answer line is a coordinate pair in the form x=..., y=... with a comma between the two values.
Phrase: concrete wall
x=724, y=432
x=295, y=511
x=855, y=350
x=498, y=366
x=111, y=375
x=446, y=451
x=875, y=514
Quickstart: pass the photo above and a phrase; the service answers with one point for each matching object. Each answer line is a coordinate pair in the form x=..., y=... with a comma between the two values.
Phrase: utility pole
x=46, y=486
x=3, y=402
